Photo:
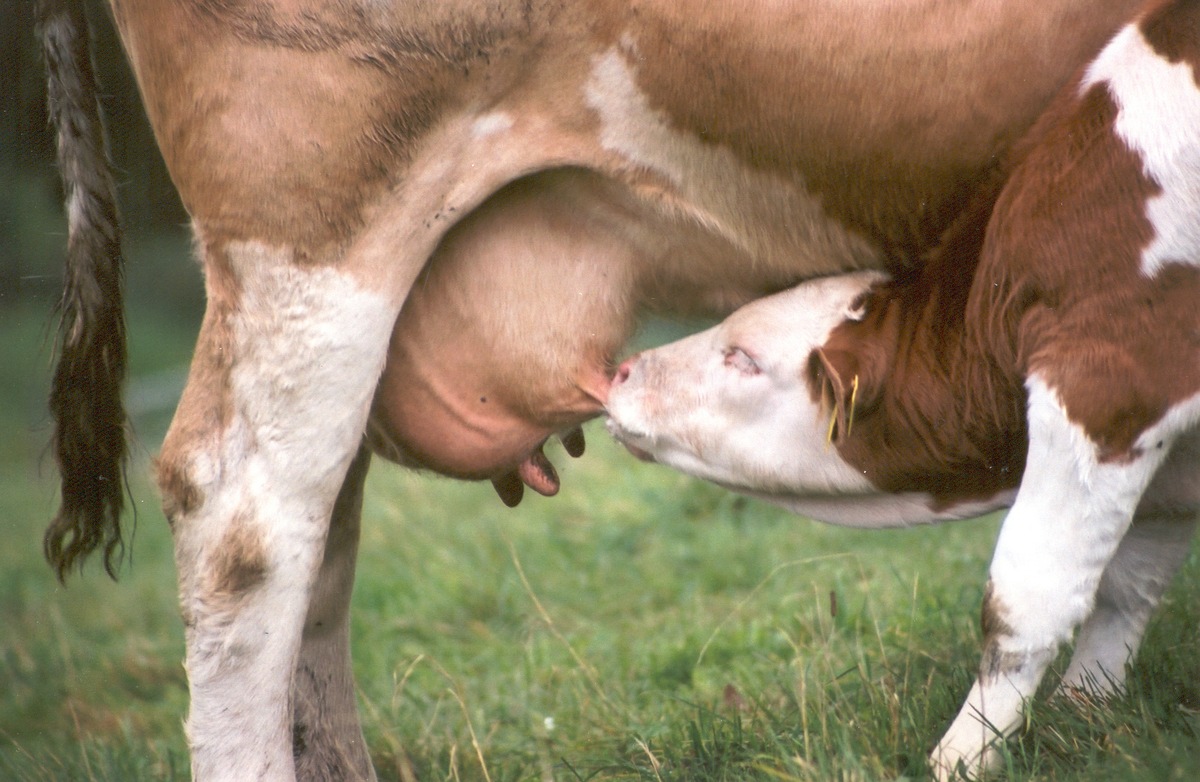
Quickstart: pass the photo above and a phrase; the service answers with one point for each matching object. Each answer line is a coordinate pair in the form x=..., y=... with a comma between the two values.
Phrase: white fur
x=1129, y=591
x=1138, y=575
x=307, y=348
x=887, y=511
x=1160, y=120
x=763, y=433
x=1065, y=526
x=760, y=213
x=491, y=124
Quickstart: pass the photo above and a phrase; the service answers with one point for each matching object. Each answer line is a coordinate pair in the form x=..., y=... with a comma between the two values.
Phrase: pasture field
x=640, y=626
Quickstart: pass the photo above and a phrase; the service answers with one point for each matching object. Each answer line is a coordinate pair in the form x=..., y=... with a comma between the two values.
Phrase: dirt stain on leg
x=239, y=563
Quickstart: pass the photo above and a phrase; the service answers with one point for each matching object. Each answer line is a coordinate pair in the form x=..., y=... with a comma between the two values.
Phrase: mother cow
x=329, y=150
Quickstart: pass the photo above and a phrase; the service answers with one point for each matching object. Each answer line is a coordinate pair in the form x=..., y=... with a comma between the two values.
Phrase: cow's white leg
x=326, y=735
x=1067, y=521
x=272, y=416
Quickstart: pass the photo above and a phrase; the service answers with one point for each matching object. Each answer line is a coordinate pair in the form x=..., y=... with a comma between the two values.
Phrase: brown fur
x=180, y=496
x=992, y=615
x=201, y=412
x=995, y=628
x=384, y=81
x=240, y=562
x=1063, y=261
x=763, y=74
x=931, y=412
x=1058, y=291
x=302, y=174
x=1173, y=29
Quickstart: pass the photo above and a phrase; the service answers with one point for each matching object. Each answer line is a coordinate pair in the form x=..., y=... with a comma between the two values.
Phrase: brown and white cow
x=634, y=155
x=1060, y=375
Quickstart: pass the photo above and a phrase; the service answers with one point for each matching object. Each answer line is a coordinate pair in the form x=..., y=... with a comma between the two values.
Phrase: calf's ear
x=843, y=381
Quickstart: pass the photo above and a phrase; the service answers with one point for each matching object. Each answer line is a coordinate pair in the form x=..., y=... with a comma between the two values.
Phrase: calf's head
x=849, y=399
x=734, y=404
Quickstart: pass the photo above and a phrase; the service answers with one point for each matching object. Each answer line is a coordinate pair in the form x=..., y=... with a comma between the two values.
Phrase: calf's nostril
x=622, y=373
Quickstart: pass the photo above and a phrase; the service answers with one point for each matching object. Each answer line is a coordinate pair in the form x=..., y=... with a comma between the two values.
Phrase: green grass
x=640, y=626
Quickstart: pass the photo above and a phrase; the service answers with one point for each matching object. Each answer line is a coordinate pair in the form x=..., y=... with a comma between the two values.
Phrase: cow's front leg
x=269, y=423
x=1069, y=517
x=327, y=736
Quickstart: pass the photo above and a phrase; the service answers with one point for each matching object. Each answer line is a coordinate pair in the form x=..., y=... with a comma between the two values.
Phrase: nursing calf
x=1059, y=375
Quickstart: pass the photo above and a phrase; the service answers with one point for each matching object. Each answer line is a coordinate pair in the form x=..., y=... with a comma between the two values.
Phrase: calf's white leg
x=1130, y=589
x=1140, y=572
x=273, y=414
x=1066, y=524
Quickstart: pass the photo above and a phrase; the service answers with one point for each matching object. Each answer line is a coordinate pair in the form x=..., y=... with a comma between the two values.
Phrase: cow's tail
x=89, y=440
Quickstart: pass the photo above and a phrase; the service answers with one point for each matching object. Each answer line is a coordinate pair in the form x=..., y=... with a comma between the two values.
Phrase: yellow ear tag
x=833, y=415
x=853, y=400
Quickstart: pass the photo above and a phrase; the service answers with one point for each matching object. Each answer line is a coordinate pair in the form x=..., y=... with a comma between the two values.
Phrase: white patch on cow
x=308, y=341
x=1069, y=517
x=713, y=186
x=491, y=124
x=307, y=346
x=1160, y=120
x=1140, y=572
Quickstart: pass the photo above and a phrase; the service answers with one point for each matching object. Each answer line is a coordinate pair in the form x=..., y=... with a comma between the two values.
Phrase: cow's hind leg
x=327, y=737
x=1067, y=522
x=270, y=421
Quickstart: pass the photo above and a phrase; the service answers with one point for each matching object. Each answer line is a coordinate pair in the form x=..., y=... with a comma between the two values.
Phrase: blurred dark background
x=31, y=222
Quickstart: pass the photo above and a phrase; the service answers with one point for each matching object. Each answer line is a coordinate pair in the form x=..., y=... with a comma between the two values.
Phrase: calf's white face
x=732, y=405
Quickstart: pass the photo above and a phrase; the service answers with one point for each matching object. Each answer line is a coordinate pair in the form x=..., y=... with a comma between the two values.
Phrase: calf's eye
x=736, y=358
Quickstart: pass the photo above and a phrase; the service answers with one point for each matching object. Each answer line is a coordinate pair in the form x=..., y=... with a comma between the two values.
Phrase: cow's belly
x=511, y=332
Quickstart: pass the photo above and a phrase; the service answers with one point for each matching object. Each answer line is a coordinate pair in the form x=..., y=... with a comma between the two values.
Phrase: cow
x=1045, y=357
x=336, y=156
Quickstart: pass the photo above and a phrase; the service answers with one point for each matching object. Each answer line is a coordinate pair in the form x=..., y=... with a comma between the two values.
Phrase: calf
x=337, y=156
x=1059, y=374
